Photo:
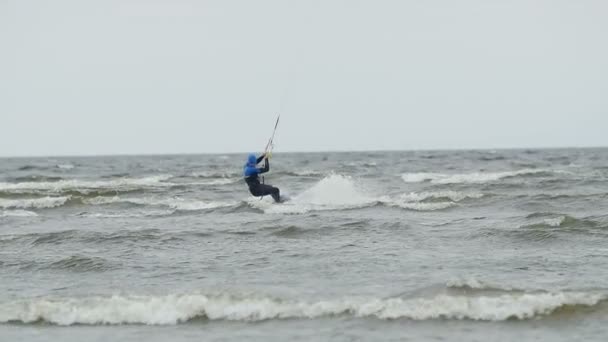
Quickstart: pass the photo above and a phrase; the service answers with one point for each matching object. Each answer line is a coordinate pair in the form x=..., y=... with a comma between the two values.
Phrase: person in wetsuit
x=251, y=173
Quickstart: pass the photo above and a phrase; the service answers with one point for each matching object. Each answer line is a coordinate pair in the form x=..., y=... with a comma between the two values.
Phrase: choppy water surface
x=459, y=245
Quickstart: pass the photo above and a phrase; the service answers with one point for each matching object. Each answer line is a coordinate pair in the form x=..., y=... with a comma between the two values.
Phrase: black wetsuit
x=258, y=189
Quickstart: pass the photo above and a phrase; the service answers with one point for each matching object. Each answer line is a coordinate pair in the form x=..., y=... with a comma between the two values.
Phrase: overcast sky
x=174, y=76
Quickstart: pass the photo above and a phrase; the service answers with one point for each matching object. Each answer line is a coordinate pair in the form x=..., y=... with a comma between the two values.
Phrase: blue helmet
x=251, y=160
x=250, y=168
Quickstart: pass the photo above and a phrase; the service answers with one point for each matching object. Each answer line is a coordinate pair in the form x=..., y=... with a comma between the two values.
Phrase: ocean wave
x=565, y=195
x=127, y=214
x=35, y=178
x=175, y=309
x=472, y=283
x=175, y=203
x=48, y=238
x=290, y=231
x=32, y=167
x=219, y=181
x=440, y=196
x=362, y=164
x=73, y=263
x=35, y=203
x=551, y=220
x=96, y=237
x=88, y=186
x=214, y=174
x=65, y=166
x=338, y=192
x=17, y=213
x=302, y=173
x=421, y=206
x=78, y=263
x=431, y=200
x=475, y=177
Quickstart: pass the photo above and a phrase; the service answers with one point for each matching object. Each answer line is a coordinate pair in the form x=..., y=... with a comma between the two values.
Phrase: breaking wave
x=36, y=203
x=550, y=220
x=17, y=213
x=65, y=166
x=88, y=186
x=428, y=201
x=302, y=173
x=475, y=177
x=219, y=181
x=362, y=164
x=213, y=174
x=441, y=196
x=233, y=176
x=173, y=203
x=471, y=283
x=128, y=214
x=175, y=309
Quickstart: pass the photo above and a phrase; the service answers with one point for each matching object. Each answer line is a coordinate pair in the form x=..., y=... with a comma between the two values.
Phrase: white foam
x=39, y=203
x=129, y=214
x=176, y=203
x=212, y=174
x=17, y=213
x=555, y=221
x=454, y=196
x=337, y=192
x=334, y=192
x=174, y=309
x=420, y=206
x=420, y=201
x=65, y=166
x=365, y=164
x=475, y=283
x=306, y=173
x=219, y=181
x=121, y=184
x=475, y=177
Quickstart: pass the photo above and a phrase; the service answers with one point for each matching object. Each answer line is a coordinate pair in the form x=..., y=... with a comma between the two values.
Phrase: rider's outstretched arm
x=266, y=167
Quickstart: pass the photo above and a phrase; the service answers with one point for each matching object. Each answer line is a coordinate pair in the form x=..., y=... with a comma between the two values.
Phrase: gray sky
x=176, y=76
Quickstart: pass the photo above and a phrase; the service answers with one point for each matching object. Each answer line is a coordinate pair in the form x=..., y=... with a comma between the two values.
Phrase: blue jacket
x=251, y=170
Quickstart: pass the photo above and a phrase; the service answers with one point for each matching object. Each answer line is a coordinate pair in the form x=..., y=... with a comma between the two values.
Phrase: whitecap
x=175, y=203
x=17, y=213
x=174, y=309
x=85, y=186
x=65, y=166
x=38, y=203
x=454, y=196
x=474, y=177
x=421, y=206
x=219, y=181
x=212, y=174
x=555, y=221
x=128, y=214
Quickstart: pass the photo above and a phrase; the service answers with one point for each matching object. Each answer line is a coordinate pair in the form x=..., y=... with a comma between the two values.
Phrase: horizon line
x=144, y=154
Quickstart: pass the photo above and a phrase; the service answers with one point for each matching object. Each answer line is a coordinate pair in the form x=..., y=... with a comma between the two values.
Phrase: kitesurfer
x=251, y=173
